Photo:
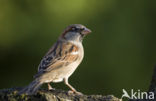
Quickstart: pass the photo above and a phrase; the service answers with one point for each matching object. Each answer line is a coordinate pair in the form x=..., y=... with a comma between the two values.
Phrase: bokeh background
x=119, y=53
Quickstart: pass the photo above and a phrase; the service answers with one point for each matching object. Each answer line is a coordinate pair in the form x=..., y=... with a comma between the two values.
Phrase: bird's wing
x=61, y=54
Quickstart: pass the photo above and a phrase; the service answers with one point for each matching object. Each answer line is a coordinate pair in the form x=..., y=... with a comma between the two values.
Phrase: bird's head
x=75, y=32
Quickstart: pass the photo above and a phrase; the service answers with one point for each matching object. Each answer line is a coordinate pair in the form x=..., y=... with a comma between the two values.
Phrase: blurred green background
x=119, y=53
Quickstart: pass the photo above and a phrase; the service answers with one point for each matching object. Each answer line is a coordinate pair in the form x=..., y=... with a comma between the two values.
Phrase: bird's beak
x=86, y=31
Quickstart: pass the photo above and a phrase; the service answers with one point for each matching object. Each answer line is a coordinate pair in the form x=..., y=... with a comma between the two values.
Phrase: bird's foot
x=52, y=89
x=74, y=92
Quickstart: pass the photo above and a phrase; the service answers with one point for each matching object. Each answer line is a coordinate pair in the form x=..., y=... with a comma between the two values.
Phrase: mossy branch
x=54, y=95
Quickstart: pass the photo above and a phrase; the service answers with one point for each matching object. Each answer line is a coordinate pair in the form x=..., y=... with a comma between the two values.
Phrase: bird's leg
x=49, y=87
x=72, y=88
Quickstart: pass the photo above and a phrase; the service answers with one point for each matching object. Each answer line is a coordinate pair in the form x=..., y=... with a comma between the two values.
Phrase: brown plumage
x=61, y=60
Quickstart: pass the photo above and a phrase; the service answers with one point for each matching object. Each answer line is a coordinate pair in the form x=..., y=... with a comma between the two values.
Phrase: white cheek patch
x=74, y=53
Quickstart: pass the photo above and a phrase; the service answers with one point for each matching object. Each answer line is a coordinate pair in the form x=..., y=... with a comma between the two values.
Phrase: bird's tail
x=32, y=87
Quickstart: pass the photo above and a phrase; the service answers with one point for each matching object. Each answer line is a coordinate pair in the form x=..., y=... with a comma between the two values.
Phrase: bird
x=61, y=60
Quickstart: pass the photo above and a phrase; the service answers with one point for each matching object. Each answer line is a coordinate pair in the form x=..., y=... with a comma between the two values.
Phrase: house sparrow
x=61, y=60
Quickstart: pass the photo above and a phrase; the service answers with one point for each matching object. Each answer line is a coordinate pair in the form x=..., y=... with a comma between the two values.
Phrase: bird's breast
x=67, y=70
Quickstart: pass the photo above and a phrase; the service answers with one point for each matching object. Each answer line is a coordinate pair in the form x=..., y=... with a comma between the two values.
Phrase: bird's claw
x=74, y=92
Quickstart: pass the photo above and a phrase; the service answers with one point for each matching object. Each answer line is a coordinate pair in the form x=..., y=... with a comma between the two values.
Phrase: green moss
x=57, y=95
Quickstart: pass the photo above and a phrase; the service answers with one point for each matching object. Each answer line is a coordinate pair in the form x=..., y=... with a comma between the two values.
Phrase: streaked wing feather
x=59, y=55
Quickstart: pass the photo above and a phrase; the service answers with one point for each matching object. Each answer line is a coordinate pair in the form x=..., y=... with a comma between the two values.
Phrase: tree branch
x=54, y=95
